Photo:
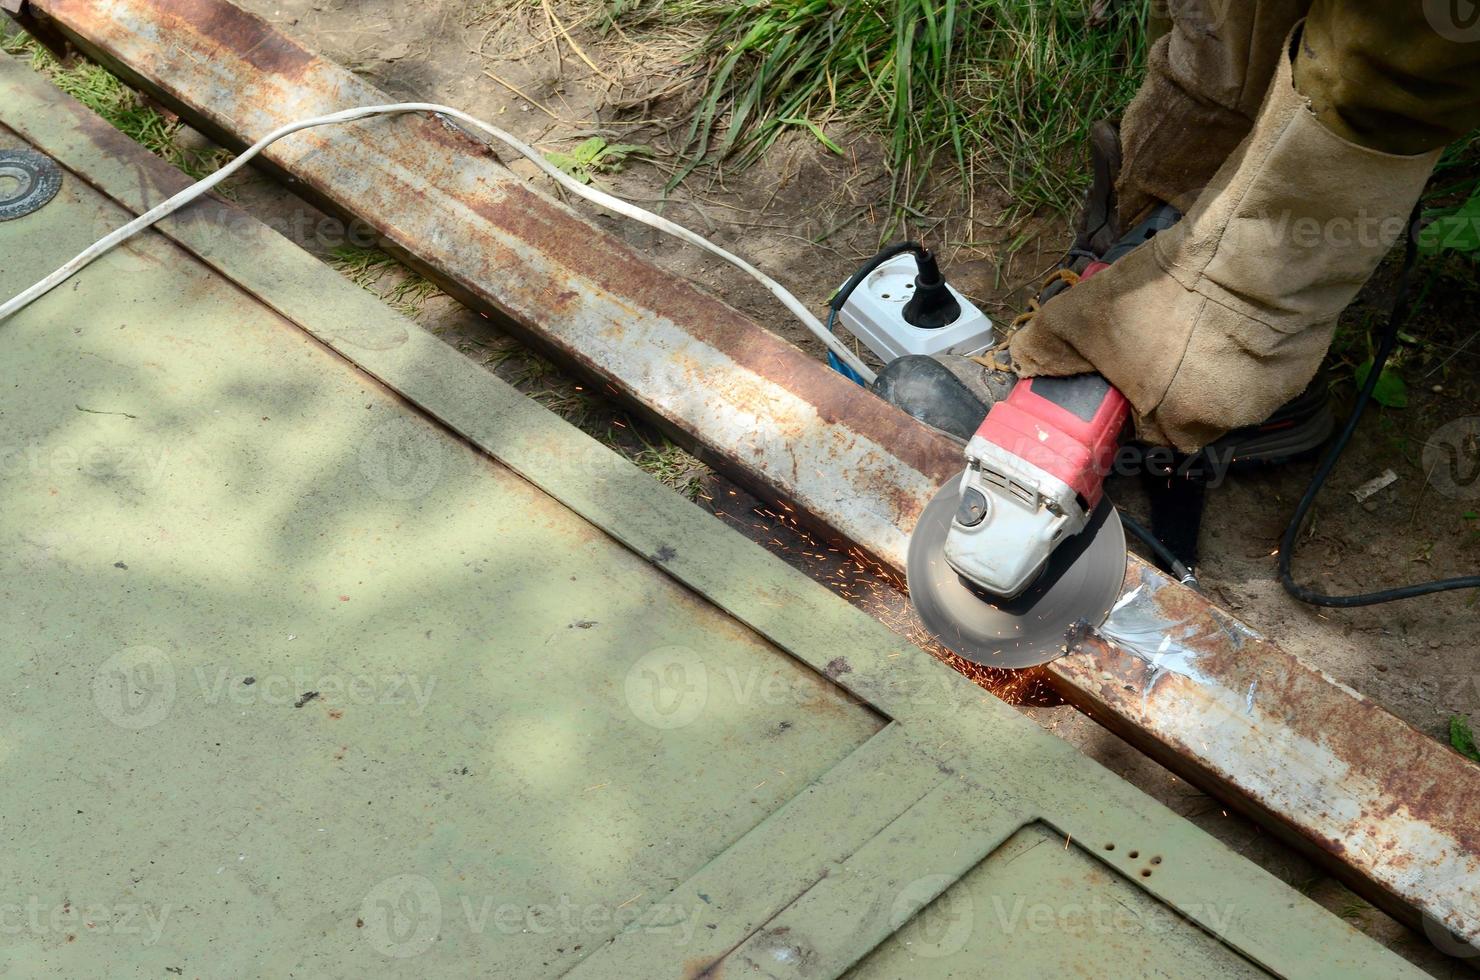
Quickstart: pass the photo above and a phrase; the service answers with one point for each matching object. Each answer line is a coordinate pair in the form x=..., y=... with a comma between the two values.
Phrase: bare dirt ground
x=808, y=217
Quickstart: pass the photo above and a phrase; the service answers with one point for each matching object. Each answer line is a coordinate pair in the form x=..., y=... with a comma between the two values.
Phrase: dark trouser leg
x=1204, y=84
x=1226, y=316
x=1403, y=77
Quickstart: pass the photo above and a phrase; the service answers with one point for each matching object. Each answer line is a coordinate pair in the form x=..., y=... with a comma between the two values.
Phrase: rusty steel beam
x=1389, y=809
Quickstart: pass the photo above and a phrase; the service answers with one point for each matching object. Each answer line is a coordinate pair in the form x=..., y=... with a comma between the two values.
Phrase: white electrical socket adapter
x=874, y=313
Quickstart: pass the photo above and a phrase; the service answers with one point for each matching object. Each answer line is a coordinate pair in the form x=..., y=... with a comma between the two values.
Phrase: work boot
x=1097, y=228
x=1176, y=484
x=1224, y=317
x=1295, y=431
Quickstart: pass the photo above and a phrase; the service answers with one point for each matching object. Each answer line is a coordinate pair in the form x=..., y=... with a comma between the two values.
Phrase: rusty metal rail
x=1391, y=810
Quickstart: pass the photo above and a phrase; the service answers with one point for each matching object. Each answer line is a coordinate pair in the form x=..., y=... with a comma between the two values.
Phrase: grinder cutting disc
x=1081, y=582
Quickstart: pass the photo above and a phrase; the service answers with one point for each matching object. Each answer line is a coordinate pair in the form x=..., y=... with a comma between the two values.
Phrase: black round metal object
x=28, y=180
x=1080, y=584
x=973, y=508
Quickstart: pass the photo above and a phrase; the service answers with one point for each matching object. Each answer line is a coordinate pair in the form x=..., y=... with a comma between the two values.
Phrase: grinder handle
x=1067, y=427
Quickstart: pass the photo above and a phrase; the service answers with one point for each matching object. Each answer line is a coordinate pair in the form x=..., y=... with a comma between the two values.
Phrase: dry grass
x=121, y=106
x=1000, y=91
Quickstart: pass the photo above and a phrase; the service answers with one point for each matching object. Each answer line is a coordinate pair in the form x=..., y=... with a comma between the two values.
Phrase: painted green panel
x=205, y=520
x=1039, y=907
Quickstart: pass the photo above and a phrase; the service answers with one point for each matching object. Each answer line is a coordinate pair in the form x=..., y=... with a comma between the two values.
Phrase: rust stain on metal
x=1388, y=802
x=228, y=27
x=1344, y=721
x=611, y=267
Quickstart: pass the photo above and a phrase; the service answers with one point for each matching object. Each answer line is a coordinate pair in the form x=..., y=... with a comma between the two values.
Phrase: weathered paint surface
x=336, y=690
x=1391, y=808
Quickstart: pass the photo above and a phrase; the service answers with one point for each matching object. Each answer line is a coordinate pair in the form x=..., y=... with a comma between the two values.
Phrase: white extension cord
x=591, y=194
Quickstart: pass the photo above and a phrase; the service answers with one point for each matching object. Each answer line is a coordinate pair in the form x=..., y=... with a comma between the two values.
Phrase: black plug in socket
x=933, y=306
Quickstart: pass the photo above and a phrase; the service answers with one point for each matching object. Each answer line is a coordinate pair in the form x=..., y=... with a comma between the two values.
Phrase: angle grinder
x=1015, y=559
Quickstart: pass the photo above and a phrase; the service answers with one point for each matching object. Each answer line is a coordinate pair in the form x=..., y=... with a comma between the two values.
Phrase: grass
x=650, y=451
x=1002, y=89
x=407, y=291
x=671, y=466
x=1462, y=739
x=596, y=156
x=1449, y=250
x=126, y=110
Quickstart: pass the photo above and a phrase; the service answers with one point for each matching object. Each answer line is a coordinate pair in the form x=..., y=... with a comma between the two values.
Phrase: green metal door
x=331, y=654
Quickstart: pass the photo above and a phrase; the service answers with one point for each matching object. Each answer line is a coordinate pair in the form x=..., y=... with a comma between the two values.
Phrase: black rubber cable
x=887, y=253
x=841, y=296
x=1389, y=340
x=1172, y=563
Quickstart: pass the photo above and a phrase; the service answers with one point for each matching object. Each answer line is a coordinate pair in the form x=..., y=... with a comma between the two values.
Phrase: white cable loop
x=591, y=194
